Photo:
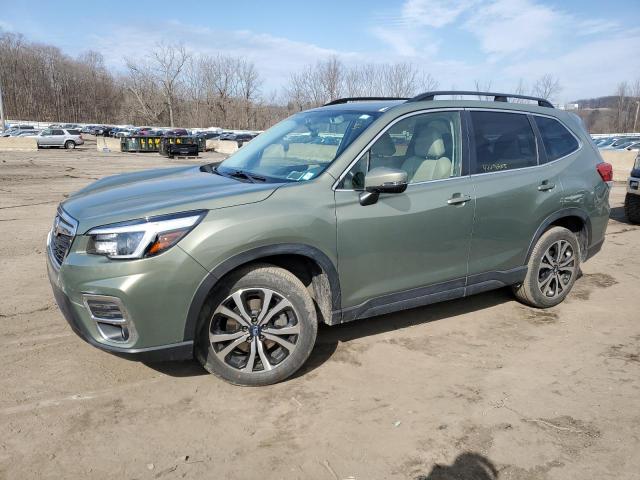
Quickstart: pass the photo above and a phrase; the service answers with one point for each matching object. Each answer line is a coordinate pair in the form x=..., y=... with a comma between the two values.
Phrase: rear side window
x=73, y=132
x=557, y=140
x=504, y=141
x=57, y=132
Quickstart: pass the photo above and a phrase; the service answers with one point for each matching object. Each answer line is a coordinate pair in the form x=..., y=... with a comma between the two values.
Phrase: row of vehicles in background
x=626, y=142
x=130, y=131
x=70, y=135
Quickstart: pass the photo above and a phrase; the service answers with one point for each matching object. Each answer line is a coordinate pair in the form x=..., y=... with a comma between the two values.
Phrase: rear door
x=515, y=190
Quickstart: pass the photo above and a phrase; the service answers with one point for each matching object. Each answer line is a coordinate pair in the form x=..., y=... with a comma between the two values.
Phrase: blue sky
x=589, y=45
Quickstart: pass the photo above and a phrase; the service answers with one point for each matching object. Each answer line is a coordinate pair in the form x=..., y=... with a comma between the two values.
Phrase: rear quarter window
x=557, y=140
x=73, y=132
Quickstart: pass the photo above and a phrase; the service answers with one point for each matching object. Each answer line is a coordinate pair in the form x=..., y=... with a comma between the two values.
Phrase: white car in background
x=59, y=137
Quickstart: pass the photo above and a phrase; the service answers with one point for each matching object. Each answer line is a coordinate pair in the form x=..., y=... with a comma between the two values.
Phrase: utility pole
x=2, y=110
x=634, y=122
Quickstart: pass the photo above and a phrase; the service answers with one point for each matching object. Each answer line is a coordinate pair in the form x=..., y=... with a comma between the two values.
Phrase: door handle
x=546, y=185
x=457, y=199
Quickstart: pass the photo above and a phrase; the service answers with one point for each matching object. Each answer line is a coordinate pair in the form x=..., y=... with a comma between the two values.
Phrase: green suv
x=359, y=208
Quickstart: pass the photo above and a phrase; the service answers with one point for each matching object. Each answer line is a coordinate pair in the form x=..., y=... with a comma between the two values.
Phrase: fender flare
x=253, y=254
x=565, y=212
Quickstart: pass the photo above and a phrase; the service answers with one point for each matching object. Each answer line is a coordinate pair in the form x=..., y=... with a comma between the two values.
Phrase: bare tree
x=547, y=87
x=483, y=88
x=248, y=89
x=169, y=62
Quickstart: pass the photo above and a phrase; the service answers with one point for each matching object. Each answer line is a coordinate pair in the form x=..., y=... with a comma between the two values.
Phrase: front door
x=414, y=239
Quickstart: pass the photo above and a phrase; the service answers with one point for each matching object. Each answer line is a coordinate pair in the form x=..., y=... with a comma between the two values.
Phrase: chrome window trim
x=70, y=222
x=335, y=188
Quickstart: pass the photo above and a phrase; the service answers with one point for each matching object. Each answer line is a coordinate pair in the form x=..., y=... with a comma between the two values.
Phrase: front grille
x=61, y=236
x=60, y=247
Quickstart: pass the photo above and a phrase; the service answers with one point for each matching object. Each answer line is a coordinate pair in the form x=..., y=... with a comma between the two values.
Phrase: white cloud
x=510, y=26
x=434, y=13
x=275, y=57
x=514, y=40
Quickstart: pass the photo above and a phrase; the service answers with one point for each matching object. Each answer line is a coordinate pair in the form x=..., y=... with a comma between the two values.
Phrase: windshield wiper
x=246, y=175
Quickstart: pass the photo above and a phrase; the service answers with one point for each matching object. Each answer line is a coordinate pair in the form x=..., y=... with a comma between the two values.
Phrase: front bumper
x=157, y=292
x=176, y=351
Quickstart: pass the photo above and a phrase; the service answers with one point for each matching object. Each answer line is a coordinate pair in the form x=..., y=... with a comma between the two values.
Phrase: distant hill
x=599, y=102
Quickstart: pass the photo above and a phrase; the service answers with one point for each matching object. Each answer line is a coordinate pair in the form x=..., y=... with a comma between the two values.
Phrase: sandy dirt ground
x=474, y=389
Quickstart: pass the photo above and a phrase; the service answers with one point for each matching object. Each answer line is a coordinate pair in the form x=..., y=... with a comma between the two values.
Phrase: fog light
x=111, y=318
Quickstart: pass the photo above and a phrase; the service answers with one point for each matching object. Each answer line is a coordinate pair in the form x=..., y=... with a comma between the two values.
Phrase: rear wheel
x=552, y=269
x=632, y=207
x=69, y=145
x=257, y=328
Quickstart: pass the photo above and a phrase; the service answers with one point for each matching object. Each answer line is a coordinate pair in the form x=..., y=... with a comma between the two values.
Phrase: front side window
x=427, y=146
x=557, y=140
x=299, y=148
x=503, y=141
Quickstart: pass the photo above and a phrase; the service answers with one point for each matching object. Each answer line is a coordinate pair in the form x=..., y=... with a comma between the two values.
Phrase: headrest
x=384, y=146
x=429, y=144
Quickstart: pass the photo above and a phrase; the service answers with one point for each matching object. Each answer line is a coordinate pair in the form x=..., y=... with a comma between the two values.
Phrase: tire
x=69, y=144
x=253, y=338
x=632, y=207
x=553, y=268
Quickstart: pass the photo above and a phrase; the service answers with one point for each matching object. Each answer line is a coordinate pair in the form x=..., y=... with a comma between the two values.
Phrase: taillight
x=606, y=171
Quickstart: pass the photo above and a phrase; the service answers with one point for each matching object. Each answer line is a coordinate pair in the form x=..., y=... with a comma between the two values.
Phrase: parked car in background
x=59, y=137
x=16, y=129
x=176, y=132
x=208, y=135
x=227, y=136
x=633, y=147
x=606, y=142
x=29, y=133
x=620, y=143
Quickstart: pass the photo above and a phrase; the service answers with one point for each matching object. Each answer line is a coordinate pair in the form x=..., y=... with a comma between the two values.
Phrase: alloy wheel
x=557, y=268
x=254, y=330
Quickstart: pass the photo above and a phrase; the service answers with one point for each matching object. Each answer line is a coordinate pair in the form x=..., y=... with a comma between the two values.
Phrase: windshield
x=299, y=148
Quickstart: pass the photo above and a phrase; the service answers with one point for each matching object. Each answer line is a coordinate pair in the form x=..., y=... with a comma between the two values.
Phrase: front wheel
x=257, y=328
x=632, y=207
x=552, y=269
x=69, y=145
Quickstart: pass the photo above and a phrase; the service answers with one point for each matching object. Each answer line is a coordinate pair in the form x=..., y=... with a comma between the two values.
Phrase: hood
x=155, y=192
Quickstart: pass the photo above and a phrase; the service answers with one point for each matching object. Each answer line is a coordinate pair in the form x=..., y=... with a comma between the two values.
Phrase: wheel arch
x=322, y=281
x=574, y=219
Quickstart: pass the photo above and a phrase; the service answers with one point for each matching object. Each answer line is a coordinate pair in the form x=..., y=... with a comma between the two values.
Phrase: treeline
x=171, y=86
x=613, y=114
x=39, y=82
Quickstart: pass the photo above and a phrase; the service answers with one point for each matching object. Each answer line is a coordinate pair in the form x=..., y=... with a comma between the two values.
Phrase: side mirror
x=382, y=180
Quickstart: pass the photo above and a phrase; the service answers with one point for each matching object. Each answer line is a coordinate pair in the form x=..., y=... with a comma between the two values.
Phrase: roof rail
x=361, y=99
x=497, y=97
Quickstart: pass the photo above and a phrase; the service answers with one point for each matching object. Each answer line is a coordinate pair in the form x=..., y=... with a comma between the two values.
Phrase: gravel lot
x=474, y=389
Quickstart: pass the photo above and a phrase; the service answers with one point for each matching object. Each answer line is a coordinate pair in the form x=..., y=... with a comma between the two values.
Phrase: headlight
x=142, y=238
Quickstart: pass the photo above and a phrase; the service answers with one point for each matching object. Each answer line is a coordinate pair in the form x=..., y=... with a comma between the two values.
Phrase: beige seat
x=382, y=153
x=428, y=161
